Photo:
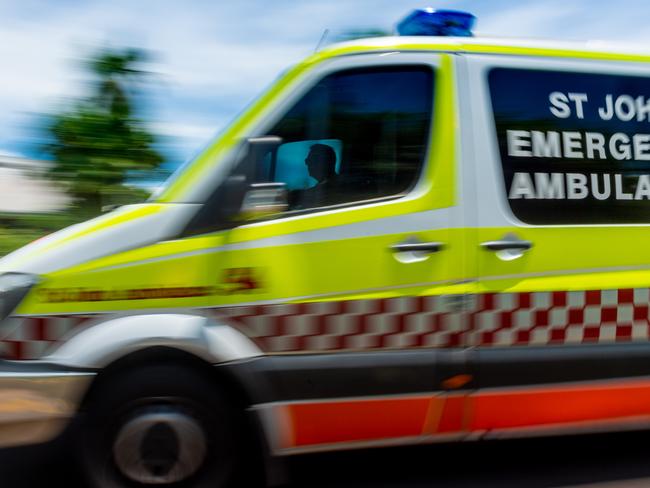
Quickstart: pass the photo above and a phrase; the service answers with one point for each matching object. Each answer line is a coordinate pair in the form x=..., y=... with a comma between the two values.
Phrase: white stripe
x=439, y=219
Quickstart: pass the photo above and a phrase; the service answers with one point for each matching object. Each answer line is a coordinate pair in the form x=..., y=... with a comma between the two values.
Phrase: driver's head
x=321, y=162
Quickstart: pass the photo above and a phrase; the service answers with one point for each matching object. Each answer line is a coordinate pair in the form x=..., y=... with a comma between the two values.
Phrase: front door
x=357, y=289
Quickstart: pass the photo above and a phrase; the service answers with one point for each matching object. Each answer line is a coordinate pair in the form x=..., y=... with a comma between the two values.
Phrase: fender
x=102, y=342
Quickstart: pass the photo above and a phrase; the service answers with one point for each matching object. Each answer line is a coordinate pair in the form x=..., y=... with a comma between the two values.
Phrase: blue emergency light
x=431, y=22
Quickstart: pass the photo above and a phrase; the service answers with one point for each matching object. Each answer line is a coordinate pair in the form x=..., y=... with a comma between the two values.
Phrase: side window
x=357, y=135
x=574, y=147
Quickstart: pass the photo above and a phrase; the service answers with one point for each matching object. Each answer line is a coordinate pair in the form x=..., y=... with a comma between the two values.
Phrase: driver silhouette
x=321, y=165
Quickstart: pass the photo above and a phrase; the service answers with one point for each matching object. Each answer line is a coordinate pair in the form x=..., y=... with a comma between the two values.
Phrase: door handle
x=423, y=247
x=507, y=245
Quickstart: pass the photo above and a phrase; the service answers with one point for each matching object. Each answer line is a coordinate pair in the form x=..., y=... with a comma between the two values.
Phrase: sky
x=210, y=58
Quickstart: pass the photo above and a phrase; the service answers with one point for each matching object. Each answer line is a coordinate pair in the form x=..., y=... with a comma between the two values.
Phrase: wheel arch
x=107, y=339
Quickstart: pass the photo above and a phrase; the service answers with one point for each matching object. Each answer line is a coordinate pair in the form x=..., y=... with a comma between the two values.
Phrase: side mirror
x=264, y=199
x=236, y=199
x=257, y=148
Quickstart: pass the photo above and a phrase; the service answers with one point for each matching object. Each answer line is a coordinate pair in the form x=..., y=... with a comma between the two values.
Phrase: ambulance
x=418, y=238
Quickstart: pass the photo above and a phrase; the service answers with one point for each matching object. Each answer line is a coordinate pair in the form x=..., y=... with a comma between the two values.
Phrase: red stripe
x=357, y=420
x=560, y=405
x=452, y=416
x=337, y=422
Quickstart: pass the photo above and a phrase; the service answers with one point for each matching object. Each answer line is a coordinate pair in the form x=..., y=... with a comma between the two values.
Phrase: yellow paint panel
x=568, y=258
x=158, y=251
x=335, y=270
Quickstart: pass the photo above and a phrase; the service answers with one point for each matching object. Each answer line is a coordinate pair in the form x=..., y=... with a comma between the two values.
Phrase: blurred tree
x=99, y=142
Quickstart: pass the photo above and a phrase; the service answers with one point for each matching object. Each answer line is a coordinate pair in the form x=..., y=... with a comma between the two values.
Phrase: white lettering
x=642, y=108
x=607, y=190
x=576, y=185
x=522, y=187
x=618, y=184
x=595, y=142
x=642, y=188
x=546, y=145
x=518, y=143
x=572, y=144
x=624, y=108
x=578, y=99
x=578, y=145
x=560, y=106
x=549, y=187
x=622, y=150
x=641, y=143
x=607, y=112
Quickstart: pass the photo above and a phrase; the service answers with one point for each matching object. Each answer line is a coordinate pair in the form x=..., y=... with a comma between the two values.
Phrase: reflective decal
x=486, y=320
x=240, y=280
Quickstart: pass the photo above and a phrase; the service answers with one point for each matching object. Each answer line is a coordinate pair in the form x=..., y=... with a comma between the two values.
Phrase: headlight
x=13, y=288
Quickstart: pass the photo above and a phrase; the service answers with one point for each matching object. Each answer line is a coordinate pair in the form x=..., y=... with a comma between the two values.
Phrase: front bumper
x=37, y=400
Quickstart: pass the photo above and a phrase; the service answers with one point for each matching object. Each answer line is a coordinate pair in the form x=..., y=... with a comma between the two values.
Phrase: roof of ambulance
x=493, y=45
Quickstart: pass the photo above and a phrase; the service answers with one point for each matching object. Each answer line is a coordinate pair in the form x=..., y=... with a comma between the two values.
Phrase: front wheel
x=164, y=425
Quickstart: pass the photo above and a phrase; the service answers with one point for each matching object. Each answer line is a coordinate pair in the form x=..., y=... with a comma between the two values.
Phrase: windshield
x=205, y=154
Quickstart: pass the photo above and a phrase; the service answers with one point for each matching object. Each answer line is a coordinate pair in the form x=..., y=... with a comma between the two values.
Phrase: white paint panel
x=36, y=258
x=103, y=342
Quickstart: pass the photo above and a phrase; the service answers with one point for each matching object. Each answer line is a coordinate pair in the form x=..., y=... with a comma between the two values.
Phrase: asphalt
x=602, y=461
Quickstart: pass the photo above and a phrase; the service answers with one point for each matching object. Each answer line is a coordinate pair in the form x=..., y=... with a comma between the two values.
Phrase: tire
x=161, y=425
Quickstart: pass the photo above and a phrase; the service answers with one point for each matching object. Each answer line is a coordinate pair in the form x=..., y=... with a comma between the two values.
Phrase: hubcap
x=160, y=447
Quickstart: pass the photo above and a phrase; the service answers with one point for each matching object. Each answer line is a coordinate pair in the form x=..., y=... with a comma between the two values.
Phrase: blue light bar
x=430, y=22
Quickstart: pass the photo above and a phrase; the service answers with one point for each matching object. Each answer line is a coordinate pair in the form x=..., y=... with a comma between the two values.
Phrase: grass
x=16, y=230
x=12, y=239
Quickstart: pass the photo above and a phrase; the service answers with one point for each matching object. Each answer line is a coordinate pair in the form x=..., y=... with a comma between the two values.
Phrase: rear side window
x=574, y=147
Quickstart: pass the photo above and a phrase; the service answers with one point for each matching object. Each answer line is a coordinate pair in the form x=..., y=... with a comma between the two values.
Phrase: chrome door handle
x=507, y=245
x=423, y=247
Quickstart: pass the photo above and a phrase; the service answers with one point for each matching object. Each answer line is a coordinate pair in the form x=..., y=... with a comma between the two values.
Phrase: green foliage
x=99, y=142
x=16, y=230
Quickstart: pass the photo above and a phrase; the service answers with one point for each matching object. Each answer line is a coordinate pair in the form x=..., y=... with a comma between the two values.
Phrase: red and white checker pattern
x=561, y=317
x=403, y=322
x=490, y=319
x=31, y=337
